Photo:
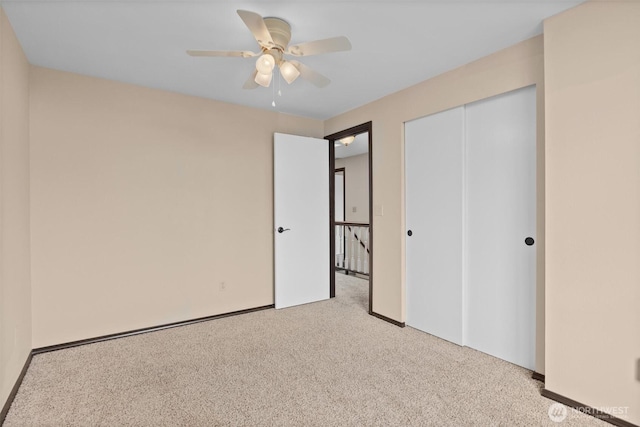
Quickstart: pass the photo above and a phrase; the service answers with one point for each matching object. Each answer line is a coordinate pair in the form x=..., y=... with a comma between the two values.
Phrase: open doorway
x=351, y=207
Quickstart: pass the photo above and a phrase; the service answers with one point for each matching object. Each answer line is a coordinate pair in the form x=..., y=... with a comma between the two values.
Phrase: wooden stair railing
x=352, y=247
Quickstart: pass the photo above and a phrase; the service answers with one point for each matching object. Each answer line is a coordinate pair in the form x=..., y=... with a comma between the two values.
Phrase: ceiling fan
x=273, y=36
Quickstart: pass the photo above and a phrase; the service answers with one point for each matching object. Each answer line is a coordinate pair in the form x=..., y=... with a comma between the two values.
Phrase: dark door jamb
x=356, y=130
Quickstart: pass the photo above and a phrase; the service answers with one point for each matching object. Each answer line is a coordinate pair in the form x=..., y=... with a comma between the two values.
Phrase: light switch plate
x=378, y=210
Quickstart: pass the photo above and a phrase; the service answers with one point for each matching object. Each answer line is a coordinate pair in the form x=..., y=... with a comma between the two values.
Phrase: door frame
x=344, y=189
x=356, y=130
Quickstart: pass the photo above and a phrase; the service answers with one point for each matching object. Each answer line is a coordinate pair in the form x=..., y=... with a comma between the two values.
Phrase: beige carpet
x=322, y=364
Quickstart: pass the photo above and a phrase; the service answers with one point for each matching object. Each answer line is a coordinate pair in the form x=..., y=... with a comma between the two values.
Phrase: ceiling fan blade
x=222, y=53
x=335, y=44
x=251, y=81
x=311, y=76
x=258, y=28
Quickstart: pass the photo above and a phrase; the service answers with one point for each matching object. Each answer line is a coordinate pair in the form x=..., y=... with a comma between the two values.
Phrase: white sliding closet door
x=500, y=215
x=470, y=176
x=433, y=165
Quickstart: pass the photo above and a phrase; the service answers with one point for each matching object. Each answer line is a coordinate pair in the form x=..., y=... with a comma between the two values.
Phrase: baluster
x=343, y=242
x=352, y=260
x=347, y=242
x=359, y=246
x=341, y=246
x=366, y=250
x=337, y=246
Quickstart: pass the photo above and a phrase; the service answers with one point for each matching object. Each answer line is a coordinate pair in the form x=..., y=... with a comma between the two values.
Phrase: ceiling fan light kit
x=264, y=79
x=265, y=64
x=289, y=72
x=273, y=36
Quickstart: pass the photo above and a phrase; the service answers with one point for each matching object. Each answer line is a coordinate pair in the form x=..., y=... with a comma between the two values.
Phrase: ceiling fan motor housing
x=280, y=31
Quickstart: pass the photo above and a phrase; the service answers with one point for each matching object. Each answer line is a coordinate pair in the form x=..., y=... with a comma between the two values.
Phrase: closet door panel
x=433, y=190
x=500, y=215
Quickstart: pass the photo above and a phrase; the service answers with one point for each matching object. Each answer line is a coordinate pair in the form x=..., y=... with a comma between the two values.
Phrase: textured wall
x=15, y=289
x=143, y=203
x=592, y=76
x=356, y=186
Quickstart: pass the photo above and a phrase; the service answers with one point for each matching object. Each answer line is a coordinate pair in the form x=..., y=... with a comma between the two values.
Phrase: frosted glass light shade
x=289, y=71
x=264, y=79
x=347, y=140
x=265, y=64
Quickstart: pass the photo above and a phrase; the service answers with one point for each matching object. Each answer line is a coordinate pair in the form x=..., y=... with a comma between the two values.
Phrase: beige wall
x=143, y=203
x=592, y=73
x=15, y=291
x=512, y=68
x=356, y=187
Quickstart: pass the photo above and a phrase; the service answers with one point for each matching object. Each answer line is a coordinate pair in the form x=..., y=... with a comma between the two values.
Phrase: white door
x=301, y=219
x=501, y=207
x=433, y=166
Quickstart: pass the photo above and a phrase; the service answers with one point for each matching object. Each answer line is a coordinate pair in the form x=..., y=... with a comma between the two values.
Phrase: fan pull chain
x=279, y=78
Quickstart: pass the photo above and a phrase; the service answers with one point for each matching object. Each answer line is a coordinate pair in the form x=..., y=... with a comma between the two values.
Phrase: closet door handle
x=282, y=230
x=529, y=241
x=409, y=233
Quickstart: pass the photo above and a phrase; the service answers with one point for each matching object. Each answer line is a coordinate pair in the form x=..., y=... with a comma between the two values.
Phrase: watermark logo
x=557, y=412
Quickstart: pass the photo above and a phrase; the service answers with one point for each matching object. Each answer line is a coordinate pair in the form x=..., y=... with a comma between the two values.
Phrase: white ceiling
x=395, y=43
